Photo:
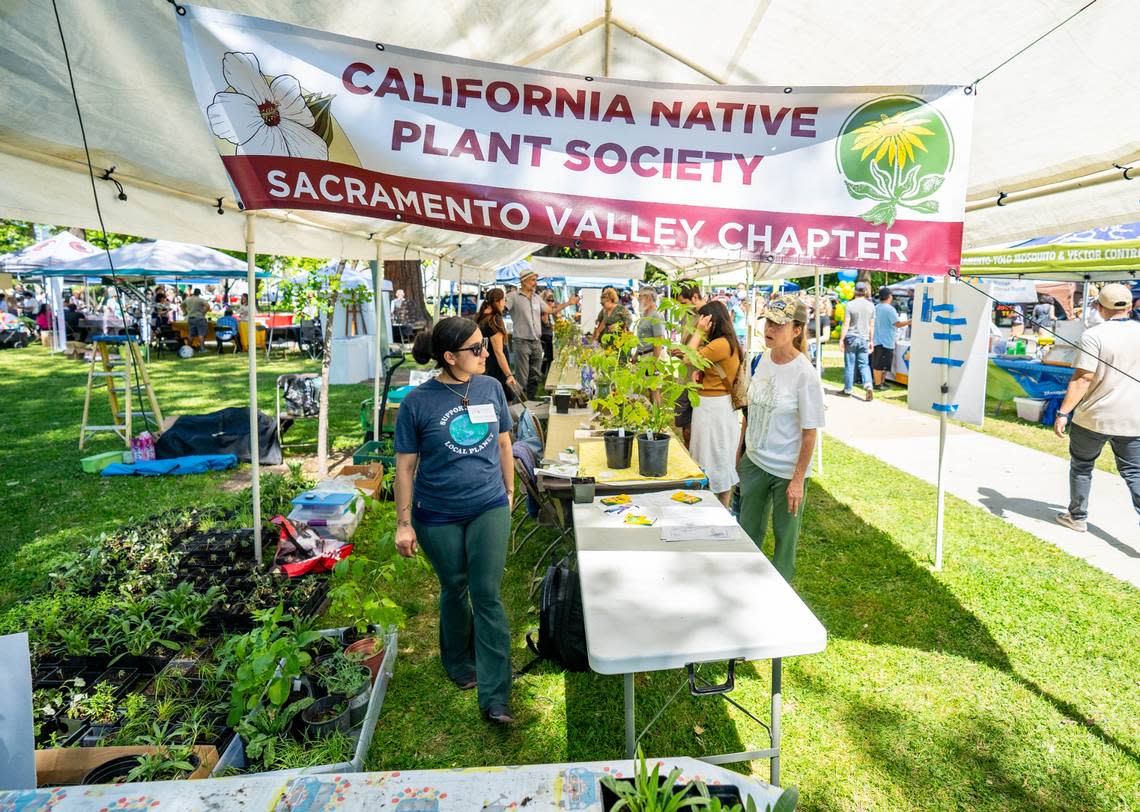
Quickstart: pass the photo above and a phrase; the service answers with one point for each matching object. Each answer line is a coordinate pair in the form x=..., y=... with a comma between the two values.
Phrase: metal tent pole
x=438, y=289
x=818, y=365
x=251, y=352
x=378, y=299
x=944, y=390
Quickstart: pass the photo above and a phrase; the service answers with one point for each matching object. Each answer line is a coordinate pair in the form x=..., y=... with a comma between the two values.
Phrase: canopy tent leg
x=818, y=366
x=751, y=313
x=378, y=364
x=438, y=289
x=459, y=296
x=944, y=377
x=251, y=352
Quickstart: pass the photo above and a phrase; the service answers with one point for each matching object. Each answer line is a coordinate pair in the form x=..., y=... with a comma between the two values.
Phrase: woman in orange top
x=716, y=427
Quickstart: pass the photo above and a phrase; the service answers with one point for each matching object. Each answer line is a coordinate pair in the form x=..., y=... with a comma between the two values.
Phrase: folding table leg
x=630, y=734
x=777, y=689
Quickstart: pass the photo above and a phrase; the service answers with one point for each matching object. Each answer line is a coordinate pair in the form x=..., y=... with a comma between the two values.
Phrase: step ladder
x=117, y=363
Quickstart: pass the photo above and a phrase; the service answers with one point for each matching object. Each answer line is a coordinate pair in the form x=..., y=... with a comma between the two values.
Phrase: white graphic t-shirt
x=783, y=400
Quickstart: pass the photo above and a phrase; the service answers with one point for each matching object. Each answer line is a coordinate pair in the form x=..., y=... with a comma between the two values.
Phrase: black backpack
x=561, y=630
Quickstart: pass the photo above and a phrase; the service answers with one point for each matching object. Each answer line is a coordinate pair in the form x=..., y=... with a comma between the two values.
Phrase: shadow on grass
x=916, y=756
x=864, y=587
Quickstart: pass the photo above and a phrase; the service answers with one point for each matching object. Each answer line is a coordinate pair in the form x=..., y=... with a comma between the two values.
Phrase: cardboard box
x=370, y=477
x=66, y=766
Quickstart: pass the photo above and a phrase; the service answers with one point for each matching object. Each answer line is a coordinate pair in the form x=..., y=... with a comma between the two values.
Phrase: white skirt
x=713, y=440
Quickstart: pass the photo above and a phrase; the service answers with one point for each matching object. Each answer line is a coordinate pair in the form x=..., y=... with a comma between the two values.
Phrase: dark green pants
x=764, y=496
x=474, y=635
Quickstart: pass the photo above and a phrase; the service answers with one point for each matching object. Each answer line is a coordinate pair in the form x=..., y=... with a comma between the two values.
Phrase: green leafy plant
x=650, y=792
x=171, y=760
x=360, y=588
x=264, y=661
x=337, y=674
x=265, y=728
x=96, y=706
x=184, y=609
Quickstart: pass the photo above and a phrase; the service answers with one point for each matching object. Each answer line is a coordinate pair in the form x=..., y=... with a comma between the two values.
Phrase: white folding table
x=653, y=605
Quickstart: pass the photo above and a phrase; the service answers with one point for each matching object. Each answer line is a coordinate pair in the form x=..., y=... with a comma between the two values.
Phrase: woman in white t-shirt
x=785, y=412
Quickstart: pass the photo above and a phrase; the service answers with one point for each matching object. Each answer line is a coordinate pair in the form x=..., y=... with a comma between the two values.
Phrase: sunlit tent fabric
x=58, y=251
x=1096, y=255
x=160, y=258
x=1029, y=142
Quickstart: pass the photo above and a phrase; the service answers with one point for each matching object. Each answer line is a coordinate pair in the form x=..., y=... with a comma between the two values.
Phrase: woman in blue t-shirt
x=452, y=439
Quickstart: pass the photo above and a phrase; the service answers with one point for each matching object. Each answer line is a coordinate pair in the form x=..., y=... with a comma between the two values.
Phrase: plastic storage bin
x=1030, y=409
x=324, y=502
x=340, y=526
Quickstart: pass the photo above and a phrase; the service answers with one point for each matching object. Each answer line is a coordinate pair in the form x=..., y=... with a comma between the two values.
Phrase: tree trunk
x=864, y=276
x=404, y=274
x=326, y=363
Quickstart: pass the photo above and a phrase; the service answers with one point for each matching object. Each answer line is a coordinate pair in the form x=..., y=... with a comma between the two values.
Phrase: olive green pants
x=474, y=636
x=764, y=496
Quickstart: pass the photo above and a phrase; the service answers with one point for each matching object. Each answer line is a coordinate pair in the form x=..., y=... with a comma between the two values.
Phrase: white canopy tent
x=142, y=120
x=1032, y=170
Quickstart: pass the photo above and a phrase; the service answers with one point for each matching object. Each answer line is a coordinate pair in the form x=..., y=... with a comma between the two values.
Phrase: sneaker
x=466, y=683
x=882, y=387
x=499, y=715
x=868, y=394
x=1080, y=525
x=843, y=394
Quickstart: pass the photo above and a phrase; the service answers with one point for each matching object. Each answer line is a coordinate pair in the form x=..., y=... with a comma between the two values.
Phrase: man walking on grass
x=1105, y=393
x=527, y=309
x=856, y=337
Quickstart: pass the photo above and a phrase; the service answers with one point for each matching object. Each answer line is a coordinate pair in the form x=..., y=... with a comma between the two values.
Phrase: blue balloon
x=849, y=275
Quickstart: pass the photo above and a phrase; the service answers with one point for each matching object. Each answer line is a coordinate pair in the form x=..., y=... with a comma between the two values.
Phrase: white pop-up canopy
x=1030, y=148
x=59, y=251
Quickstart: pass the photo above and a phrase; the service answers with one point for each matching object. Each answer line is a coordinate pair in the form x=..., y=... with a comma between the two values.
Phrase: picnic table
x=723, y=600
x=560, y=377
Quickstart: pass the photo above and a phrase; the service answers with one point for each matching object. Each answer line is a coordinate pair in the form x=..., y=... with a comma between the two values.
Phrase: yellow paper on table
x=592, y=462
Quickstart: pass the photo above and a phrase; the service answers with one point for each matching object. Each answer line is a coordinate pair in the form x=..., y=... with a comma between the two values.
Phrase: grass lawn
x=1006, y=425
x=1009, y=681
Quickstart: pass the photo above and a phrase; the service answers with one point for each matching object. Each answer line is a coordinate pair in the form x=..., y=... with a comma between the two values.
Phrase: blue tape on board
x=949, y=407
x=943, y=308
x=948, y=320
x=950, y=362
x=947, y=337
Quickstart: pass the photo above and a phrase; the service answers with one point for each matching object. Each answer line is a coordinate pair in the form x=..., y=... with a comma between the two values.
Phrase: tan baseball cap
x=1115, y=296
x=784, y=308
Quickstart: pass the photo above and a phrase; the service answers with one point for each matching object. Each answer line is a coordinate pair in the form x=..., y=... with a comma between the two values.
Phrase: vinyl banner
x=869, y=177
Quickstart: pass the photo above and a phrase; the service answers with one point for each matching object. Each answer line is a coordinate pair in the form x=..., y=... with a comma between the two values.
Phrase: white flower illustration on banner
x=264, y=117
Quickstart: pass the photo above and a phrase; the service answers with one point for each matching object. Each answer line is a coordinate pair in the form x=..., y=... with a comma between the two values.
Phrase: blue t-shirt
x=885, y=330
x=460, y=474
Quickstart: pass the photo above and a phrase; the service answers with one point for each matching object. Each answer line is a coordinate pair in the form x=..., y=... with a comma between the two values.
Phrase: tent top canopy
x=56, y=251
x=141, y=117
x=1097, y=255
x=157, y=258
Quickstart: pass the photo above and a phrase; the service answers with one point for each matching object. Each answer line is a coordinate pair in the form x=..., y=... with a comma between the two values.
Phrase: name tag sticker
x=482, y=413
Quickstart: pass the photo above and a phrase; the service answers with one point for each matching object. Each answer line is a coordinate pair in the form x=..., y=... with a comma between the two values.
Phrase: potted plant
x=339, y=675
x=266, y=726
x=358, y=597
x=649, y=791
x=325, y=716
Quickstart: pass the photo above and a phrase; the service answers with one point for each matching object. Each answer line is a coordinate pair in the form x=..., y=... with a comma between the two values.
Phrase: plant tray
x=370, y=452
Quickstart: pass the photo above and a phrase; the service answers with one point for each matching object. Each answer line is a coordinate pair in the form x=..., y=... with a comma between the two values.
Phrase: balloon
x=849, y=275
x=839, y=310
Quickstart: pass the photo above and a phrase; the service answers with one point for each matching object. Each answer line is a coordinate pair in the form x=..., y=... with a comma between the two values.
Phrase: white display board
x=17, y=743
x=949, y=333
x=590, y=303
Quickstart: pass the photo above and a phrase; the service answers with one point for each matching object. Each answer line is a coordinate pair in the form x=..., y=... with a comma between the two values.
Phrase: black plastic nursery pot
x=582, y=488
x=114, y=771
x=562, y=402
x=326, y=715
x=653, y=454
x=619, y=449
x=358, y=705
x=727, y=793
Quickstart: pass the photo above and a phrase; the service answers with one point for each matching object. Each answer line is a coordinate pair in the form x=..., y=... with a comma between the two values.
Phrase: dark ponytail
x=446, y=336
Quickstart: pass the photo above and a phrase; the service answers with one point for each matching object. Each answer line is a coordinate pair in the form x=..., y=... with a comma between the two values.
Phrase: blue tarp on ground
x=197, y=464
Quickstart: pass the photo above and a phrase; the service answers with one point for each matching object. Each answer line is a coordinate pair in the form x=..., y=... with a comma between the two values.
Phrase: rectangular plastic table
x=694, y=602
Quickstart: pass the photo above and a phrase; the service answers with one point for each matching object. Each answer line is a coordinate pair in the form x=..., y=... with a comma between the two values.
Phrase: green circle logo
x=466, y=433
x=896, y=151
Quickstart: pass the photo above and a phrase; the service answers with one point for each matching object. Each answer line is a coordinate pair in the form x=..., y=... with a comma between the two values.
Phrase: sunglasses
x=475, y=349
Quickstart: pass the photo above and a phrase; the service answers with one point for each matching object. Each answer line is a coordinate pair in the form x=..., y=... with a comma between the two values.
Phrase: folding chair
x=549, y=515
